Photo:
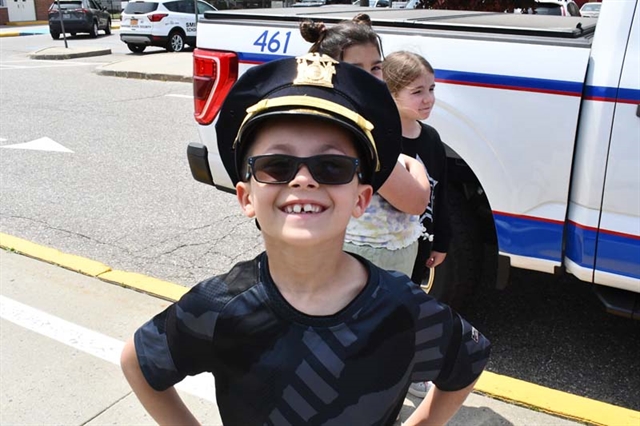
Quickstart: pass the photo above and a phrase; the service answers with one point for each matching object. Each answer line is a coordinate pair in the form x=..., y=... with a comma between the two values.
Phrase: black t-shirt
x=274, y=365
x=428, y=148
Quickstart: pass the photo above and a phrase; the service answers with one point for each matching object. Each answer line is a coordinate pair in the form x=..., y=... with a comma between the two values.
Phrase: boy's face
x=303, y=211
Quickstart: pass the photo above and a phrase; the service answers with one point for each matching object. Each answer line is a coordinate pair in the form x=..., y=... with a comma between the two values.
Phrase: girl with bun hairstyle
x=387, y=233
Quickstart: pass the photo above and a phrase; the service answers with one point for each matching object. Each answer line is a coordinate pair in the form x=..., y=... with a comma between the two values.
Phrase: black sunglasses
x=325, y=169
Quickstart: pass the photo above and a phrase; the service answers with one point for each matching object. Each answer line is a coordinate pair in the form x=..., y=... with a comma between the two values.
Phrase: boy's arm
x=407, y=188
x=165, y=407
x=438, y=407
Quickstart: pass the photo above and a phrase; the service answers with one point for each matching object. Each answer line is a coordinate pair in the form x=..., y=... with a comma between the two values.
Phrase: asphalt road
x=124, y=196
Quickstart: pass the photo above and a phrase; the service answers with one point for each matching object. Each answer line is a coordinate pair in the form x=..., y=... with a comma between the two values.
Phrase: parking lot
x=121, y=193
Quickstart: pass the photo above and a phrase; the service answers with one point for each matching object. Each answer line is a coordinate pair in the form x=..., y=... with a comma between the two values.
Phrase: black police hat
x=317, y=86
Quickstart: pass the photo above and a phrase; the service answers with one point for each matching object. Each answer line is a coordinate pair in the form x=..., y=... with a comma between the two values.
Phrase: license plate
x=134, y=21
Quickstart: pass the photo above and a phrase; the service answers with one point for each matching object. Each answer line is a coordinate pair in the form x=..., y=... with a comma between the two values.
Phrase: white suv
x=165, y=23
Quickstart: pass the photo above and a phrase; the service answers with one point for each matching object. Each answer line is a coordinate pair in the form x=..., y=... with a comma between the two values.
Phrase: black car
x=78, y=16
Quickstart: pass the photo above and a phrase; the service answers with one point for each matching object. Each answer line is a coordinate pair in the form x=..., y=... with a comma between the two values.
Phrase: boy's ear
x=243, y=192
x=365, y=192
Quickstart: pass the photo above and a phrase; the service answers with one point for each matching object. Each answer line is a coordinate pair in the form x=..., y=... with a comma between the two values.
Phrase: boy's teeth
x=299, y=208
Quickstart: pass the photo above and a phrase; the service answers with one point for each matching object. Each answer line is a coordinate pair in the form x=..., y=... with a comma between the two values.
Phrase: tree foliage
x=478, y=5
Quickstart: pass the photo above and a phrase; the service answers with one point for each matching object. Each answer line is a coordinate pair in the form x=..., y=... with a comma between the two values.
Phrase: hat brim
x=268, y=90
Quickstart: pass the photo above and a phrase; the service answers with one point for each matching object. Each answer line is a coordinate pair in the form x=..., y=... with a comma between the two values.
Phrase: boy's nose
x=303, y=177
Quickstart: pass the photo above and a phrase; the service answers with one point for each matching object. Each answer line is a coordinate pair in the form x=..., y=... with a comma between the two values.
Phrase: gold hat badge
x=316, y=70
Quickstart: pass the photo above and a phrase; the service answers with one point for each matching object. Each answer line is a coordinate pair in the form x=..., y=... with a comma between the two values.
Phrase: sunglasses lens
x=274, y=168
x=325, y=169
x=332, y=169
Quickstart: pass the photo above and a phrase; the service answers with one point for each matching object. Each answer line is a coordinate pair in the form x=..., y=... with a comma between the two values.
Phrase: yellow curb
x=145, y=284
x=26, y=23
x=555, y=402
x=68, y=261
x=15, y=34
x=494, y=385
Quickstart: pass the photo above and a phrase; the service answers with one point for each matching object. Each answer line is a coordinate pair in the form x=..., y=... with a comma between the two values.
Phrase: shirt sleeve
x=178, y=341
x=467, y=353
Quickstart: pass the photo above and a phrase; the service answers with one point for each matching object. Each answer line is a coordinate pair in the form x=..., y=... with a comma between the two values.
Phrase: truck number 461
x=274, y=42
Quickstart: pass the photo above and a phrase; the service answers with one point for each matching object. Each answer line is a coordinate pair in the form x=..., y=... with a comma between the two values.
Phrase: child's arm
x=165, y=407
x=407, y=188
x=438, y=406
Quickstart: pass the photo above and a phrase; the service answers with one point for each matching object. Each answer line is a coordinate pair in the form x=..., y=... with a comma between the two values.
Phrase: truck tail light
x=214, y=73
x=157, y=17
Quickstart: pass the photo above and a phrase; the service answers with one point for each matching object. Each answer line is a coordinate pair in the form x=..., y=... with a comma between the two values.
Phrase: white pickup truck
x=540, y=114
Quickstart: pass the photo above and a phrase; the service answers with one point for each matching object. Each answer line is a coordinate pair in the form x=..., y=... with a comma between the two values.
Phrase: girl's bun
x=312, y=31
x=362, y=18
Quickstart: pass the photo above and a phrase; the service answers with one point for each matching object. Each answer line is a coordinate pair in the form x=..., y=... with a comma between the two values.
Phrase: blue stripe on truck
x=618, y=253
x=529, y=236
x=567, y=88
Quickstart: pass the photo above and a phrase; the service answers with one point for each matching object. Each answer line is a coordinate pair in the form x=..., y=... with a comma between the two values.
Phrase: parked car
x=374, y=3
x=590, y=10
x=78, y=16
x=164, y=23
x=553, y=7
x=309, y=3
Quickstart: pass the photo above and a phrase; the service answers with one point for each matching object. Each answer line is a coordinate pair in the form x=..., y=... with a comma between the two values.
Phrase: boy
x=306, y=333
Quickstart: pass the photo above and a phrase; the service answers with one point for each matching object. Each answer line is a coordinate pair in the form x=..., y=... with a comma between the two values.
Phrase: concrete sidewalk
x=103, y=301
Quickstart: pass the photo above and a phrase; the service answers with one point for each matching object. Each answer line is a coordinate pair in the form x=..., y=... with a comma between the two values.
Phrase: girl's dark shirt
x=428, y=148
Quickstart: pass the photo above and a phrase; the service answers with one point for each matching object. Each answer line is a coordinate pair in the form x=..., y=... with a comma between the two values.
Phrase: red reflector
x=157, y=17
x=213, y=75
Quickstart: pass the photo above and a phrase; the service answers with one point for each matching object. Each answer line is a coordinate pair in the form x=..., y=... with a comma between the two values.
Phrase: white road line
x=47, y=64
x=51, y=61
x=172, y=95
x=88, y=341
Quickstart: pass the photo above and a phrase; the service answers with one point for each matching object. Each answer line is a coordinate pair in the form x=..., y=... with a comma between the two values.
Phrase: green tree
x=477, y=5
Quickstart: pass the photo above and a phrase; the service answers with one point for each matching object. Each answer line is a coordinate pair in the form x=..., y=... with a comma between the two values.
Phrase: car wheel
x=72, y=34
x=136, y=48
x=94, y=30
x=107, y=30
x=176, y=42
x=55, y=35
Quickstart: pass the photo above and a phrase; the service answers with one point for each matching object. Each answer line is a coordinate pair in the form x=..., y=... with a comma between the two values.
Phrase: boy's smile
x=303, y=211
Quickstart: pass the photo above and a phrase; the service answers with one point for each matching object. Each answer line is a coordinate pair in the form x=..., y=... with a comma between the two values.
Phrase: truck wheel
x=107, y=30
x=55, y=35
x=176, y=41
x=136, y=48
x=461, y=270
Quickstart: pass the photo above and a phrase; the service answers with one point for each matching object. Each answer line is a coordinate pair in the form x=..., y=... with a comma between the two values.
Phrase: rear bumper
x=71, y=26
x=144, y=39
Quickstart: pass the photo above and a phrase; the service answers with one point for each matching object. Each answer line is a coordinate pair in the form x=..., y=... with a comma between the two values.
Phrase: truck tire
x=107, y=30
x=461, y=270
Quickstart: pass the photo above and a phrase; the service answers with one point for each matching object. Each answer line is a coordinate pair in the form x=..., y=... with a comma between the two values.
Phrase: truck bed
x=457, y=23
